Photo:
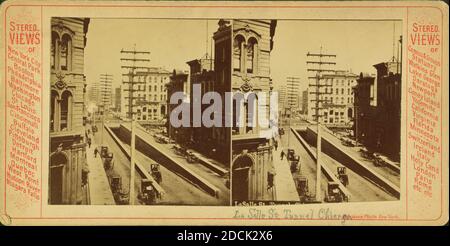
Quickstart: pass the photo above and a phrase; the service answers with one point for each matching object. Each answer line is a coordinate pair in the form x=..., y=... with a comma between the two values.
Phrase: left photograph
x=117, y=86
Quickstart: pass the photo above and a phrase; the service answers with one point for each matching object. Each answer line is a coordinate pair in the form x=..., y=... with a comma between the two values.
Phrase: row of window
x=152, y=79
x=337, y=90
x=162, y=88
x=245, y=54
x=162, y=97
x=144, y=110
x=339, y=82
x=332, y=120
x=337, y=101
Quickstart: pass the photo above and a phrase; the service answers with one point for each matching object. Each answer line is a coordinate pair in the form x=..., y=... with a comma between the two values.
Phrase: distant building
x=377, y=105
x=282, y=99
x=305, y=102
x=336, y=99
x=105, y=91
x=150, y=95
x=117, y=98
x=293, y=94
x=67, y=132
x=93, y=91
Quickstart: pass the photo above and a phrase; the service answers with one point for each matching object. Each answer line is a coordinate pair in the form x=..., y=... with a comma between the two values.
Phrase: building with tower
x=252, y=160
x=67, y=109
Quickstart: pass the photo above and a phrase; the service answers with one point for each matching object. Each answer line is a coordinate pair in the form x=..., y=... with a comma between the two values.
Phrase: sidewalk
x=99, y=190
x=284, y=182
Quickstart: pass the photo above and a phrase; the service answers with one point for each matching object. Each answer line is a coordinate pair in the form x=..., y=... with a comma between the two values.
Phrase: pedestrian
x=282, y=154
x=89, y=142
x=275, y=143
x=95, y=152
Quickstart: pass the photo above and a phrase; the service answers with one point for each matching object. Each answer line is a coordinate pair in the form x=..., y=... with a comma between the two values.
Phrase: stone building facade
x=336, y=97
x=67, y=109
x=150, y=95
x=252, y=160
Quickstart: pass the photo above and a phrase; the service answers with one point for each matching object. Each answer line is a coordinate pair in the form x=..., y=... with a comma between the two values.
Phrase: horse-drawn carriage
x=342, y=175
x=334, y=193
x=290, y=154
x=191, y=157
x=155, y=171
x=103, y=151
x=295, y=163
x=147, y=195
x=107, y=157
x=120, y=196
x=179, y=150
x=367, y=154
x=301, y=183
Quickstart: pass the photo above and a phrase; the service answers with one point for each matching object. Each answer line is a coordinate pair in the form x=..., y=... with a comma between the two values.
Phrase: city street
x=178, y=189
x=361, y=189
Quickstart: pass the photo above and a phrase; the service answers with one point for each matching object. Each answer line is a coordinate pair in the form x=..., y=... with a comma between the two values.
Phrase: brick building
x=378, y=105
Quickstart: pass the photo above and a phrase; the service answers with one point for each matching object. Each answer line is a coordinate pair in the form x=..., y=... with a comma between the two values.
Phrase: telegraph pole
x=132, y=56
x=316, y=66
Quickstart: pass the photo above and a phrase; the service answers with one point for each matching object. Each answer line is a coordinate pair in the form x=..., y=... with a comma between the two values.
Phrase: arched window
x=251, y=55
x=54, y=49
x=237, y=53
x=66, y=110
x=66, y=47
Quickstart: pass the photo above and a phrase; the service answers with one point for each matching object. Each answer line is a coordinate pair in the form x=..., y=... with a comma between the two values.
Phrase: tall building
x=293, y=93
x=117, y=98
x=93, y=91
x=378, y=106
x=105, y=91
x=336, y=98
x=150, y=95
x=282, y=99
x=67, y=133
x=305, y=102
x=252, y=166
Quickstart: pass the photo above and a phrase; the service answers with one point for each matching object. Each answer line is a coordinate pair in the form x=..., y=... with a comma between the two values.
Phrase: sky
x=171, y=42
x=358, y=44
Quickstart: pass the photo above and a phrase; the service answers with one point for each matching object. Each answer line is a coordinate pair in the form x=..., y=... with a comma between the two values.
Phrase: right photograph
x=316, y=111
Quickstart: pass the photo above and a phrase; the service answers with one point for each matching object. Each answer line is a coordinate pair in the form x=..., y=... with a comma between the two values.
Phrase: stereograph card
x=224, y=113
